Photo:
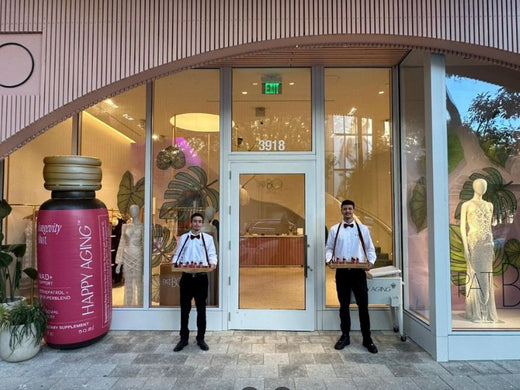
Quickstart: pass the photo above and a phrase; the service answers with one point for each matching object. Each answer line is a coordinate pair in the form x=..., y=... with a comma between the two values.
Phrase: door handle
x=306, y=267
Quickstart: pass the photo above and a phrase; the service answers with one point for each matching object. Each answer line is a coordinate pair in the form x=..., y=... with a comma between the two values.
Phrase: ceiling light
x=291, y=83
x=381, y=92
x=255, y=83
x=111, y=103
x=155, y=137
x=352, y=111
x=244, y=92
x=128, y=117
x=196, y=121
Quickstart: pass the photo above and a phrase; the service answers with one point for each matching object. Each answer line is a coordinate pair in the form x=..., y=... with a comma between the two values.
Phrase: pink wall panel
x=107, y=44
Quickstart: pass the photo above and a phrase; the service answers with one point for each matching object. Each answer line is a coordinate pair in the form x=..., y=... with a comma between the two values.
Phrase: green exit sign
x=272, y=88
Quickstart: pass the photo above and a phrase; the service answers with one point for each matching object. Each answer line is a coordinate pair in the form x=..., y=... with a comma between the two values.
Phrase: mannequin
x=130, y=253
x=478, y=251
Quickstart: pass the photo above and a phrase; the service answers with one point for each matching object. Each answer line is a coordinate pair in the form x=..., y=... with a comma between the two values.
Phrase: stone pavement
x=252, y=360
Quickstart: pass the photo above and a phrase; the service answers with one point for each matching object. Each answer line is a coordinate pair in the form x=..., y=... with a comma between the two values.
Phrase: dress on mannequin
x=130, y=253
x=476, y=215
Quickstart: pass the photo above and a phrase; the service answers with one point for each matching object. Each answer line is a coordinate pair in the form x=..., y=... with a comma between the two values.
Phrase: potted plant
x=10, y=274
x=22, y=328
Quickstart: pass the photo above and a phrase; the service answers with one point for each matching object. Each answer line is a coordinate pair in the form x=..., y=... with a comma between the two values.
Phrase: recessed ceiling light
x=128, y=117
x=255, y=83
x=244, y=92
x=291, y=83
x=381, y=92
x=155, y=136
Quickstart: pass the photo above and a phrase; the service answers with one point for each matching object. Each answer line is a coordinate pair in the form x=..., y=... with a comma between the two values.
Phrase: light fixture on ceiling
x=197, y=121
x=381, y=92
x=111, y=103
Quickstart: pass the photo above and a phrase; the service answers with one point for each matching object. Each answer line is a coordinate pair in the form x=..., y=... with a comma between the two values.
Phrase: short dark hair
x=196, y=215
x=347, y=202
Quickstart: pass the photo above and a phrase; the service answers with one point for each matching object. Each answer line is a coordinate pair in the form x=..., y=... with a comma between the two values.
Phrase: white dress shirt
x=348, y=244
x=189, y=250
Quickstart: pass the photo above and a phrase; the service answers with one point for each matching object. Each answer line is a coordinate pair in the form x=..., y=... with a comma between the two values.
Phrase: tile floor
x=247, y=360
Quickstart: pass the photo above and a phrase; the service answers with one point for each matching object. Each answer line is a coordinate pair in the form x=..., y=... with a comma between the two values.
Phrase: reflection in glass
x=272, y=241
x=358, y=148
x=271, y=120
x=186, y=163
x=415, y=249
x=114, y=131
x=483, y=106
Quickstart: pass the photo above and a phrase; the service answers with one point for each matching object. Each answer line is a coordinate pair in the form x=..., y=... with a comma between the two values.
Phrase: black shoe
x=180, y=345
x=202, y=344
x=370, y=346
x=343, y=341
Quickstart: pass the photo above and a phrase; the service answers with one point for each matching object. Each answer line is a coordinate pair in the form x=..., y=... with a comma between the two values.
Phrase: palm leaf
x=418, y=204
x=187, y=190
x=163, y=245
x=458, y=266
x=512, y=252
x=129, y=193
x=503, y=200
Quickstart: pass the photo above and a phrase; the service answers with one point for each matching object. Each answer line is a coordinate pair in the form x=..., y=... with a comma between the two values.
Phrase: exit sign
x=272, y=88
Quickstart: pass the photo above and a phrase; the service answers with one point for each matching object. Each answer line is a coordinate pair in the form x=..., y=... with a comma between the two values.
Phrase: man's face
x=196, y=224
x=348, y=212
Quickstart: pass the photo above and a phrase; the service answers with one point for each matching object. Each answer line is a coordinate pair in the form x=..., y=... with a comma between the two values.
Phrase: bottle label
x=74, y=273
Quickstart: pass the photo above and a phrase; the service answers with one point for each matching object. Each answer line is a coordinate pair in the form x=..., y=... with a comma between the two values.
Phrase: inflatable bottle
x=73, y=246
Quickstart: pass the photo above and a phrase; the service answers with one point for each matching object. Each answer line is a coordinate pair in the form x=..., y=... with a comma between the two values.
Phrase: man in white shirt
x=196, y=248
x=344, y=243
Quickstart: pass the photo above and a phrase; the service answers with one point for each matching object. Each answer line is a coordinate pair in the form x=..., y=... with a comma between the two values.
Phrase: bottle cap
x=72, y=173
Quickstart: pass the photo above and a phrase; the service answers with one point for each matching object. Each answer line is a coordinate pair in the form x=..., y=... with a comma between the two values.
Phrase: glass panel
x=25, y=192
x=269, y=119
x=272, y=241
x=114, y=131
x=484, y=187
x=358, y=151
x=415, y=246
x=186, y=172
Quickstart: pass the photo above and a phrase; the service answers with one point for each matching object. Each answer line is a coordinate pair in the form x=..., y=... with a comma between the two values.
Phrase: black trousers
x=193, y=286
x=347, y=281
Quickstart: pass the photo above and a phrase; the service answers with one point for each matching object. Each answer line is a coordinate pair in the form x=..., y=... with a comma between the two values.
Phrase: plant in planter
x=10, y=274
x=22, y=328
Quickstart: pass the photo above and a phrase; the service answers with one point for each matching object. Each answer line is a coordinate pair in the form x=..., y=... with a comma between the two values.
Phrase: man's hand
x=369, y=265
x=212, y=267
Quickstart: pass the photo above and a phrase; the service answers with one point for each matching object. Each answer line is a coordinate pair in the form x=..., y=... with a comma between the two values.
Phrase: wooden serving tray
x=189, y=269
x=348, y=265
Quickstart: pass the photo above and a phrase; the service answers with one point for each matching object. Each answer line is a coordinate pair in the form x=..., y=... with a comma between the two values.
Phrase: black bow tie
x=192, y=236
x=346, y=225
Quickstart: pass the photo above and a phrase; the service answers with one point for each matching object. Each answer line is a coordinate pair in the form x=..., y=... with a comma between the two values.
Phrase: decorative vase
x=26, y=349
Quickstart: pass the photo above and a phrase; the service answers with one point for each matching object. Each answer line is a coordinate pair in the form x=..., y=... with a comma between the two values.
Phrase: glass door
x=272, y=278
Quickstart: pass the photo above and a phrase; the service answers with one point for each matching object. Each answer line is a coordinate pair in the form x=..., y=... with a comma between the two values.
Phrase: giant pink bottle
x=73, y=251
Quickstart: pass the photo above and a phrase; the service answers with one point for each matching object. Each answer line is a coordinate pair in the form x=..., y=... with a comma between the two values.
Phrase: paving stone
x=512, y=366
x=309, y=384
x=311, y=348
x=460, y=382
x=240, y=348
x=460, y=368
x=320, y=371
x=263, y=348
x=301, y=358
x=252, y=383
x=286, y=348
x=224, y=359
x=159, y=383
x=494, y=382
x=375, y=369
x=129, y=384
x=431, y=382
x=276, y=358
x=264, y=371
x=243, y=371
x=292, y=370
x=250, y=358
x=273, y=384
x=488, y=367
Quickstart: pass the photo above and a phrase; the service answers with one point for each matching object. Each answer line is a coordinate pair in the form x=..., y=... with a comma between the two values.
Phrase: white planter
x=23, y=351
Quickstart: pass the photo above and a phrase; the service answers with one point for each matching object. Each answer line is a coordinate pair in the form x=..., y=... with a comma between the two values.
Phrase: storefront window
x=25, y=192
x=186, y=161
x=114, y=131
x=358, y=155
x=272, y=110
x=415, y=219
x=483, y=104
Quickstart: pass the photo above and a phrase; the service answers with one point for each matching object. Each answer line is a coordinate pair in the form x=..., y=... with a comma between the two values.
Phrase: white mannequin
x=130, y=253
x=478, y=251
